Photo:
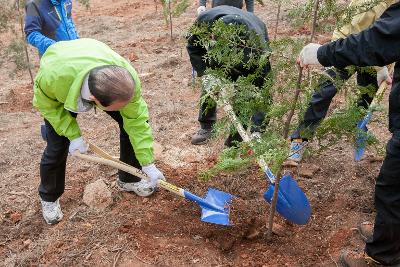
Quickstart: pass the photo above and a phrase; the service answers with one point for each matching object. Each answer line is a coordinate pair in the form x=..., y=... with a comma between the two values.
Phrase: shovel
x=361, y=136
x=214, y=207
x=292, y=203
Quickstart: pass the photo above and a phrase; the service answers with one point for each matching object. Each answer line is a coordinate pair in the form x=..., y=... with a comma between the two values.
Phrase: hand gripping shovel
x=292, y=203
x=214, y=207
x=361, y=135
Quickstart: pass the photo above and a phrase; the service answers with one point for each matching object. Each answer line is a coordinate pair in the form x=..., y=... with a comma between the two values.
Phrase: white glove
x=78, y=144
x=200, y=9
x=154, y=173
x=308, y=56
x=383, y=76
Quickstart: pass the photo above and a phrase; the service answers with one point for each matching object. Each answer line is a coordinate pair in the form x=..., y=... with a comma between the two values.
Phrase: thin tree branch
x=314, y=23
x=170, y=17
x=277, y=18
x=294, y=103
x=21, y=23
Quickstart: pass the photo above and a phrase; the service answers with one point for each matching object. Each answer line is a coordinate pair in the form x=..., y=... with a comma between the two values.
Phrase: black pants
x=208, y=108
x=322, y=98
x=385, y=244
x=235, y=3
x=54, y=159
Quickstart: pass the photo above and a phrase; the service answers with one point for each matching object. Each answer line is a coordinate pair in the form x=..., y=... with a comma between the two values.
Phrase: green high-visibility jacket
x=58, y=83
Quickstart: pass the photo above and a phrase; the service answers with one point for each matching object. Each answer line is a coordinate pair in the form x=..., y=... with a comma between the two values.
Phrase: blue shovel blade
x=221, y=200
x=214, y=207
x=361, y=138
x=292, y=203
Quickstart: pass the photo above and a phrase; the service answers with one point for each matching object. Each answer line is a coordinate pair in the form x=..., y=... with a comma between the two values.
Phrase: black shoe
x=366, y=230
x=201, y=137
x=233, y=140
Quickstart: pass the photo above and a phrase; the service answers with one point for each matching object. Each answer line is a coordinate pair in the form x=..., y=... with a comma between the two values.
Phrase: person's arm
x=33, y=29
x=250, y=5
x=135, y=118
x=53, y=111
x=196, y=53
x=376, y=46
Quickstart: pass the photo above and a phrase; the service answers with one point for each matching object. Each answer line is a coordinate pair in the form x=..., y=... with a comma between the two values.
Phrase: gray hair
x=110, y=83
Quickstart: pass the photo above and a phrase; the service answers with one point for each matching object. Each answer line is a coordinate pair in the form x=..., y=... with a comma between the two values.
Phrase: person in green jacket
x=74, y=77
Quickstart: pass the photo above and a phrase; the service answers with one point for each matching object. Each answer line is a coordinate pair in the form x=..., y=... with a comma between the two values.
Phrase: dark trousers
x=235, y=3
x=208, y=116
x=322, y=98
x=208, y=108
x=54, y=159
x=385, y=244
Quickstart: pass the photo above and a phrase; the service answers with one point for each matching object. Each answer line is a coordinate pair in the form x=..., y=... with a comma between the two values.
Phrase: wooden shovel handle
x=381, y=90
x=111, y=161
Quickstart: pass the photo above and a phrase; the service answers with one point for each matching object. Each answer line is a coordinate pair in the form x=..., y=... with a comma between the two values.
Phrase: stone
x=308, y=170
x=97, y=196
x=16, y=217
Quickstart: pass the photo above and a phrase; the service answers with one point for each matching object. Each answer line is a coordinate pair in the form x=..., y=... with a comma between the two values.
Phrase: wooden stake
x=21, y=23
x=294, y=103
x=170, y=17
x=277, y=18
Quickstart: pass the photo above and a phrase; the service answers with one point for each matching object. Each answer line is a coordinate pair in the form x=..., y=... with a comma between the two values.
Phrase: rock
x=373, y=159
x=308, y=170
x=26, y=243
x=97, y=196
x=191, y=158
x=290, y=163
x=16, y=217
x=133, y=57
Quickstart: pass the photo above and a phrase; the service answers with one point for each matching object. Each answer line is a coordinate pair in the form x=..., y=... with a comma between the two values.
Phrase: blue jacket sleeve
x=33, y=28
x=375, y=46
x=40, y=41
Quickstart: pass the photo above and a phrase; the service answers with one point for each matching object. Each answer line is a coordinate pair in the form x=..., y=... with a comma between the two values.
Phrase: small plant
x=225, y=45
x=173, y=8
x=85, y=3
x=11, y=19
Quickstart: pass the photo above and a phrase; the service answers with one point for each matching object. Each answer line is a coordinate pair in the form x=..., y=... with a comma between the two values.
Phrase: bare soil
x=164, y=230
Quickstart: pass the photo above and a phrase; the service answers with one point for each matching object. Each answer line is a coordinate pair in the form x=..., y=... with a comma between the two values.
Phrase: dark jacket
x=48, y=21
x=228, y=14
x=235, y=3
x=379, y=45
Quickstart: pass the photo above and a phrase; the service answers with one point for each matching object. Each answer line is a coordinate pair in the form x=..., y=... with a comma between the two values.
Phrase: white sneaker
x=142, y=188
x=52, y=213
x=297, y=150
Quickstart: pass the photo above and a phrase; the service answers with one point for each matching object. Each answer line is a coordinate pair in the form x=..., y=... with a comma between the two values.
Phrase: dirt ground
x=164, y=230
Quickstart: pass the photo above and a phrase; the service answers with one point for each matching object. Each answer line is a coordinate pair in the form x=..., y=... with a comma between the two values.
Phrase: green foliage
x=15, y=52
x=225, y=52
x=11, y=22
x=225, y=45
x=85, y=3
x=7, y=16
x=178, y=7
x=332, y=14
x=261, y=2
